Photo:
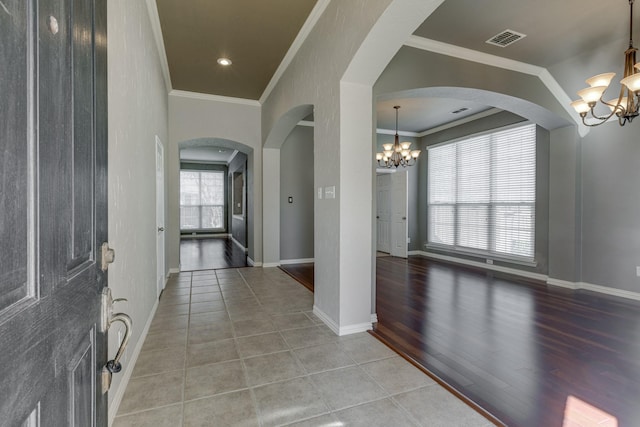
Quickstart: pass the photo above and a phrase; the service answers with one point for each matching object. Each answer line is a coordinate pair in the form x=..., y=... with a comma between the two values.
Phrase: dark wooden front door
x=53, y=146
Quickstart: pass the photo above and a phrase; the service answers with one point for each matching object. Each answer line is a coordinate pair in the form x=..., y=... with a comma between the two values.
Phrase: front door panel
x=52, y=220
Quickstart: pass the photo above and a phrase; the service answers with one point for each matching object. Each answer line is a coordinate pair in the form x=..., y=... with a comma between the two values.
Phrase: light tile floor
x=241, y=347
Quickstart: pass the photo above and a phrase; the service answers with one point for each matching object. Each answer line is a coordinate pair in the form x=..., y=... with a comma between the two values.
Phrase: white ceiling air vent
x=505, y=38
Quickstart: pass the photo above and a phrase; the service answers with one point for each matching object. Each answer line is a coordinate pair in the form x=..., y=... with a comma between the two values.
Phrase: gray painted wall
x=231, y=125
x=610, y=181
x=296, y=180
x=137, y=113
x=238, y=223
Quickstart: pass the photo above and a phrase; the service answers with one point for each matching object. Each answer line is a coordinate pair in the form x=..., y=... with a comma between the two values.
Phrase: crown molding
x=471, y=118
x=304, y=32
x=497, y=61
x=472, y=55
x=400, y=132
x=216, y=98
x=152, y=10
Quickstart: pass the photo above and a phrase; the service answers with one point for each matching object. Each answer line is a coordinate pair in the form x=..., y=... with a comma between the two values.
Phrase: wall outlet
x=408, y=239
x=489, y=261
x=319, y=192
x=638, y=271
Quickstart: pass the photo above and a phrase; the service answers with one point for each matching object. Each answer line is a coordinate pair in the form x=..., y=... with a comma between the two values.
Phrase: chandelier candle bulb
x=582, y=107
x=592, y=94
x=632, y=82
x=601, y=79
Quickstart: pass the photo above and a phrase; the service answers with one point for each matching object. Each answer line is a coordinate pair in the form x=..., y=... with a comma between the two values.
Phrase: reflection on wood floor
x=528, y=354
x=210, y=253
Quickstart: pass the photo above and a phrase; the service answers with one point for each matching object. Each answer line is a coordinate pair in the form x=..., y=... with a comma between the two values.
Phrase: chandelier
x=398, y=153
x=626, y=106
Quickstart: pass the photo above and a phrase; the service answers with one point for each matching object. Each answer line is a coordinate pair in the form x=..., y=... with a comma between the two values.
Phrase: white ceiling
x=420, y=114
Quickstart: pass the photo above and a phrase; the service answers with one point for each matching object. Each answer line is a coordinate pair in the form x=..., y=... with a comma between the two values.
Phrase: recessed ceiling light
x=225, y=62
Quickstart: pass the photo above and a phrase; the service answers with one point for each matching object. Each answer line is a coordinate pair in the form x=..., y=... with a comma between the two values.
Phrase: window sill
x=485, y=256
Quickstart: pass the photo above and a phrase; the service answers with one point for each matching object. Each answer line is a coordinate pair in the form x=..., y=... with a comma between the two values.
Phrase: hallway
x=210, y=253
x=241, y=347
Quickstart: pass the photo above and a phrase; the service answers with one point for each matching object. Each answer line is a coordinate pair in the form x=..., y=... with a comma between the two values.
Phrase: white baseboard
x=415, y=253
x=296, y=261
x=493, y=267
x=341, y=330
x=114, y=405
x=562, y=283
x=270, y=264
x=174, y=271
x=594, y=288
x=253, y=263
x=233, y=239
x=537, y=276
x=374, y=318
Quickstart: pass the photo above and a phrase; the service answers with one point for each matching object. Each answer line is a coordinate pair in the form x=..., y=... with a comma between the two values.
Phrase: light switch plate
x=319, y=192
x=330, y=192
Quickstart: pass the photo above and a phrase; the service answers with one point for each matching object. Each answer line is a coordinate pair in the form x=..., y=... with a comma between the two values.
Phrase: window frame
x=490, y=253
x=200, y=229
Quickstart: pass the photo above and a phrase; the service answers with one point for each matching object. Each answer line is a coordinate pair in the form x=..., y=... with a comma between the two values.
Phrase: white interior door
x=160, y=214
x=399, y=207
x=383, y=212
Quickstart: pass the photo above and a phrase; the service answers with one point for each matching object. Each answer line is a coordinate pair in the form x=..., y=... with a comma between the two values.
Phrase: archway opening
x=214, y=212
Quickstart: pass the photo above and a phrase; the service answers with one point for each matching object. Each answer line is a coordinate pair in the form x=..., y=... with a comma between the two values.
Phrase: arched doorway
x=213, y=204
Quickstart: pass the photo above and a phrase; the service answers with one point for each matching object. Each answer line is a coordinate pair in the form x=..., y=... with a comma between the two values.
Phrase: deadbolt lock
x=108, y=256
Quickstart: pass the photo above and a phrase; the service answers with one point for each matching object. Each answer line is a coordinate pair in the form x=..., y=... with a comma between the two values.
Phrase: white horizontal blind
x=482, y=193
x=201, y=200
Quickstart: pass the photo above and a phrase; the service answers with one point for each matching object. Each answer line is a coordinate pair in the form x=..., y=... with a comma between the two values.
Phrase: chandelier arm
x=605, y=118
x=584, y=122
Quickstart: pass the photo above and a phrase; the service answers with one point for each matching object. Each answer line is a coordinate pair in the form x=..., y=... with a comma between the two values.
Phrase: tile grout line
x=254, y=399
x=186, y=351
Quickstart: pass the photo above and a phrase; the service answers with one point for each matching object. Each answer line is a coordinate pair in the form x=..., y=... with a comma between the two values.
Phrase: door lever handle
x=114, y=365
x=108, y=318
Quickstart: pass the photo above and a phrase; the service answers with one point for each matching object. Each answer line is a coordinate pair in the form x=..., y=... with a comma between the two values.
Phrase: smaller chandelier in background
x=398, y=153
x=626, y=107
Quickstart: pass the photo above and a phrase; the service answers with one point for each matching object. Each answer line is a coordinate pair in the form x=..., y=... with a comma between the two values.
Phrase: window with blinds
x=482, y=193
x=201, y=200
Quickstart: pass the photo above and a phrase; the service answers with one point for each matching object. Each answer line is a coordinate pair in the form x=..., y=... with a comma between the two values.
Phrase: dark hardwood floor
x=303, y=273
x=210, y=253
x=519, y=350
x=523, y=353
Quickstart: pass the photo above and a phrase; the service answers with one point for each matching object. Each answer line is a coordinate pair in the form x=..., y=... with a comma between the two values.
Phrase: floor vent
x=505, y=38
